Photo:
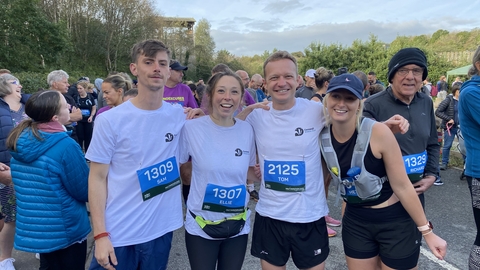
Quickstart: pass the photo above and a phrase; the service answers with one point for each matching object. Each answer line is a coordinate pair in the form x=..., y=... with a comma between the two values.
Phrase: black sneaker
x=438, y=182
x=254, y=195
x=443, y=167
x=462, y=176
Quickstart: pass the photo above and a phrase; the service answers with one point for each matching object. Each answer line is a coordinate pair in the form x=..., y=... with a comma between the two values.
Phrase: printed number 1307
x=229, y=194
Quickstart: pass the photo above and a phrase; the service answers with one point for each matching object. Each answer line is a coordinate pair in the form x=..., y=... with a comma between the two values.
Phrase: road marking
x=432, y=257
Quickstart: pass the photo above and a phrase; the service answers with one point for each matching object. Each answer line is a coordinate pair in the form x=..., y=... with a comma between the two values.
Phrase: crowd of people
x=133, y=148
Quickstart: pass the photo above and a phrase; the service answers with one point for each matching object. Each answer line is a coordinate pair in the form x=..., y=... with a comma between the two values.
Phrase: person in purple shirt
x=175, y=91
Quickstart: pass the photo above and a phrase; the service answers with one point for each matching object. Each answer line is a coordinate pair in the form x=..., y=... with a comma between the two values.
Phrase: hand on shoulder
x=193, y=113
x=397, y=124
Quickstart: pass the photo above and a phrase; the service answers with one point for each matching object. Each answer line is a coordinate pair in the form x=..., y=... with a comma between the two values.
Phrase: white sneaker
x=37, y=256
x=7, y=264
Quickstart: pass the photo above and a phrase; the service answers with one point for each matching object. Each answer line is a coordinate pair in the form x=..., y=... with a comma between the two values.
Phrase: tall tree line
x=374, y=55
x=94, y=37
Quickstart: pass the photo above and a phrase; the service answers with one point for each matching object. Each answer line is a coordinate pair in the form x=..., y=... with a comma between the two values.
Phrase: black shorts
x=397, y=241
x=273, y=241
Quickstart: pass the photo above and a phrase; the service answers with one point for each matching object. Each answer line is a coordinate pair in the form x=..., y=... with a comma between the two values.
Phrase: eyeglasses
x=415, y=71
x=15, y=82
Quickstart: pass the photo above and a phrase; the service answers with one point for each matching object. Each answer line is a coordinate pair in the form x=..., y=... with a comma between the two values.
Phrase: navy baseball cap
x=348, y=82
x=176, y=66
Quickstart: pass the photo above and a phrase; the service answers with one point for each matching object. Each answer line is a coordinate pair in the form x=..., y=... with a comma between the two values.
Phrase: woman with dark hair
x=218, y=220
x=447, y=110
x=469, y=114
x=86, y=103
x=322, y=78
x=199, y=94
x=51, y=182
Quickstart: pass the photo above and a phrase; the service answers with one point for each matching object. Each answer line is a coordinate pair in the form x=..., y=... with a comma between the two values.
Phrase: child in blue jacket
x=50, y=177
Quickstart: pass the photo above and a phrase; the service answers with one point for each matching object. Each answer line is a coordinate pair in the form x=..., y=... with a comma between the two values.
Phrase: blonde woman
x=113, y=88
x=12, y=112
x=384, y=220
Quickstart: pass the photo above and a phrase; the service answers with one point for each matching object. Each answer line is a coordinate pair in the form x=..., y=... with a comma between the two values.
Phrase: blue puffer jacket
x=51, y=184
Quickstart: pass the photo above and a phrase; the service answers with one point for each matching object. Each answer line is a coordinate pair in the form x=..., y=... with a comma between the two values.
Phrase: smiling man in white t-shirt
x=134, y=183
x=292, y=206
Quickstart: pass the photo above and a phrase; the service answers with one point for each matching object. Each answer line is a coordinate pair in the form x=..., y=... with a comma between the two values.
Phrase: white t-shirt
x=130, y=139
x=220, y=160
x=287, y=143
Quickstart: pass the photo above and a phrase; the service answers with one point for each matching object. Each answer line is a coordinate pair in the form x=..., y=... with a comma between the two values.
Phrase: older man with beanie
x=420, y=149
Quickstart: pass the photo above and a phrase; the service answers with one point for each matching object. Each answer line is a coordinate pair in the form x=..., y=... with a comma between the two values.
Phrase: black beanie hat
x=405, y=57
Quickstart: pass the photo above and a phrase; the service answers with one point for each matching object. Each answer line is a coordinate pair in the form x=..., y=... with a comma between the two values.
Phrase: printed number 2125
x=284, y=169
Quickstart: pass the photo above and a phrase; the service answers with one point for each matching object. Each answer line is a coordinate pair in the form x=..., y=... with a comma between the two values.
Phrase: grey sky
x=248, y=27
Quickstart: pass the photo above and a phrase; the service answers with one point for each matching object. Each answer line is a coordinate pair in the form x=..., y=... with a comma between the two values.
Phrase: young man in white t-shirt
x=290, y=212
x=134, y=183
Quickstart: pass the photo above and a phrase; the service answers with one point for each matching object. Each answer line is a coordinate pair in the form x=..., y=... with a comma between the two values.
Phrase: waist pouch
x=224, y=228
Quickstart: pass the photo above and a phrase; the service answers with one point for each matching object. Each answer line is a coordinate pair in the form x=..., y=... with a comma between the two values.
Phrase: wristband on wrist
x=101, y=235
x=425, y=227
x=429, y=232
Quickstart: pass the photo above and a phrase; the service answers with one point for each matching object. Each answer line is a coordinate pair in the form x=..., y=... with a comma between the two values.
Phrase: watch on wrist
x=426, y=227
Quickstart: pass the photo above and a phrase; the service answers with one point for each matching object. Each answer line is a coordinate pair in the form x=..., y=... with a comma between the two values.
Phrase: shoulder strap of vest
x=361, y=145
x=330, y=157
x=363, y=140
x=326, y=147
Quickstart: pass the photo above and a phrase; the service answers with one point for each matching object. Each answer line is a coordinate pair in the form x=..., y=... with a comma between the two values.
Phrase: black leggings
x=475, y=193
x=205, y=254
x=72, y=258
x=84, y=134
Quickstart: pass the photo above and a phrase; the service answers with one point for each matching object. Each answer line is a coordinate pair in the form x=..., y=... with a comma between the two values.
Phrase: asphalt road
x=447, y=206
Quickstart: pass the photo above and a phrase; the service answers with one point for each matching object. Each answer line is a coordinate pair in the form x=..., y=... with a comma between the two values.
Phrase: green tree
x=438, y=34
x=252, y=64
x=331, y=57
x=224, y=57
x=204, y=50
x=29, y=42
x=369, y=56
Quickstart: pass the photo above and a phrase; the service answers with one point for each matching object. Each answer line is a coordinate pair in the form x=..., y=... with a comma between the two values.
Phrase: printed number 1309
x=161, y=170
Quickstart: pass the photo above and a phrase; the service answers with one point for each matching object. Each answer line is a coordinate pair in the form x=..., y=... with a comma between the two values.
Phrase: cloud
x=457, y=23
x=246, y=24
x=297, y=38
x=264, y=25
x=235, y=24
x=276, y=7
